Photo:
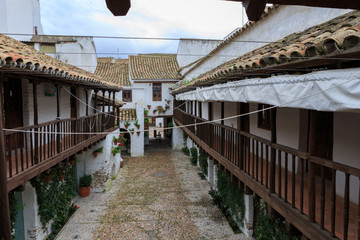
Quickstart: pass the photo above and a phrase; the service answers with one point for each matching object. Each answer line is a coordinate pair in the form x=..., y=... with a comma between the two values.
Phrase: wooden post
x=118, y=116
x=200, y=109
x=58, y=112
x=273, y=150
x=222, y=144
x=103, y=111
x=5, y=229
x=210, y=111
x=242, y=125
x=95, y=110
x=87, y=102
x=36, y=122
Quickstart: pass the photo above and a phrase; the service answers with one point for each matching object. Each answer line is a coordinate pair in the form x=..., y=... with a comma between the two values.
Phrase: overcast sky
x=146, y=18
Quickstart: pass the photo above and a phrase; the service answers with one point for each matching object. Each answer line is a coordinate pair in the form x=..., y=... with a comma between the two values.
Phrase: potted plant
x=97, y=151
x=146, y=112
x=149, y=106
x=126, y=124
x=137, y=124
x=160, y=109
x=154, y=111
x=146, y=122
x=167, y=107
x=132, y=130
x=138, y=133
x=61, y=173
x=85, y=185
x=49, y=175
x=167, y=101
x=115, y=140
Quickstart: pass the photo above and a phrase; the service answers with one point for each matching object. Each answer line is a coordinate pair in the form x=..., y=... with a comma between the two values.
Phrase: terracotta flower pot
x=149, y=107
x=126, y=126
x=138, y=127
x=95, y=154
x=138, y=133
x=132, y=133
x=84, y=191
x=154, y=112
x=121, y=164
x=145, y=115
x=115, y=142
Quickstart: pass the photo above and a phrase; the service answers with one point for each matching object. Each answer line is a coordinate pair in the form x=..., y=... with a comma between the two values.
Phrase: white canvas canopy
x=329, y=90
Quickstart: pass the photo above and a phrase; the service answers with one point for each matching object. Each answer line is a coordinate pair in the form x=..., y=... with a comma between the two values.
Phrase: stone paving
x=158, y=196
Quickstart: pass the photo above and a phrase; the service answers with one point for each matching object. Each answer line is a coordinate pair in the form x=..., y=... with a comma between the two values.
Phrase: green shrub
x=232, y=198
x=186, y=151
x=194, y=156
x=203, y=162
x=85, y=181
x=268, y=228
x=185, y=136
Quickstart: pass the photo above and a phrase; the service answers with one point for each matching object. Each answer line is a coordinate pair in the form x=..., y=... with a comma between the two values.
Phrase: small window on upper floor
x=48, y=47
x=264, y=117
x=156, y=92
x=127, y=95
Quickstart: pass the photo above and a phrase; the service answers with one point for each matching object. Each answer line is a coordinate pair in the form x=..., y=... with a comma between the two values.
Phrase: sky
x=205, y=19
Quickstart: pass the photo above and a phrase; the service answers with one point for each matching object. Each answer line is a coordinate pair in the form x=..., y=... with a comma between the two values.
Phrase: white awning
x=329, y=90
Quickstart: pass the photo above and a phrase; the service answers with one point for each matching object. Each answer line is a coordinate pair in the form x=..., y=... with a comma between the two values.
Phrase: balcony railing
x=317, y=188
x=34, y=145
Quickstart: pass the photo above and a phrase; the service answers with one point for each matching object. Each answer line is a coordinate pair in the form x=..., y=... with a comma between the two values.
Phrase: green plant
x=185, y=136
x=149, y=106
x=194, y=155
x=203, y=162
x=146, y=112
x=99, y=150
x=126, y=124
x=268, y=228
x=137, y=124
x=167, y=107
x=131, y=130
x=14, y=207
x=170, y=125
x=186, y=151
x=232, y=198
x=116, y=150
x=154, y=111
x=54, y=198
x=85, y=181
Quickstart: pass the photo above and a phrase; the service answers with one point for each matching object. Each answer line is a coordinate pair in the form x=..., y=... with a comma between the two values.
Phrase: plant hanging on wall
x=126, y=124
x=132, y=130
x=137, y=124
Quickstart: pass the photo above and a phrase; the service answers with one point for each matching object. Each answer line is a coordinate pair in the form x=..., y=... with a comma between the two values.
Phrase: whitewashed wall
x=22, y=16
x=86, y=57
x=229, y=111
x=297, y=18
x=346, y=148
x=189, y=50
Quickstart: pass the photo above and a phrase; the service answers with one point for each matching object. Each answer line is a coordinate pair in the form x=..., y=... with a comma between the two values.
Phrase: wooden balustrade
x=37, y=143
x=300, y=180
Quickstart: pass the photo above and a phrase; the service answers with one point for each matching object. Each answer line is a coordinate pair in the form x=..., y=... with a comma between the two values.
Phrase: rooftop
x=115, y=71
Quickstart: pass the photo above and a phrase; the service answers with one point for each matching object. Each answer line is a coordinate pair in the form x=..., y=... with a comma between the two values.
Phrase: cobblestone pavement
x=158, y=196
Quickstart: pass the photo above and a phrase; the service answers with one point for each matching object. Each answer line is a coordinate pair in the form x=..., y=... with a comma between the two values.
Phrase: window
x=156, y=91
x=127, y=96
x=264, y=117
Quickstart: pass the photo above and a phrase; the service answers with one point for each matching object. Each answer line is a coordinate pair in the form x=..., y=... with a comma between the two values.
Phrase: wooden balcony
x=302, y=188
x=38, y=147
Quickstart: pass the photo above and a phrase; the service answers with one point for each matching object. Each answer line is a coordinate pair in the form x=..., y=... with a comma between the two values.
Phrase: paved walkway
x=159, y=196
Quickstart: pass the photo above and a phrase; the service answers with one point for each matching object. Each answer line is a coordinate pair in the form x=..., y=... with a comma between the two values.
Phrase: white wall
x=46, y=105
x=346, y=148
x=103, y=167
x=86, y=57
x=23, y=16
x=297, y=18
x=229, y=111
x=189, y=50
x=205, y=110
x=253, y=124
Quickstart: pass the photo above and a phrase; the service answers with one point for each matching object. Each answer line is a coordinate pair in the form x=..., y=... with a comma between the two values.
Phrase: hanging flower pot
x=95, y=153
x=149, y=106
x=138, y=133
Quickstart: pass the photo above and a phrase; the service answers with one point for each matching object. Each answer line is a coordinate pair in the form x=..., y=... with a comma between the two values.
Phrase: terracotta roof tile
x=127, y=114
x=327, y=39
x=116, y=72
x=154, y=66
x=15, y=55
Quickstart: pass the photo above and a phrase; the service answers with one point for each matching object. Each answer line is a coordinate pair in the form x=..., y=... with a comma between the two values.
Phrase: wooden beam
x=58, y=113
x=273, y=150
x=254, y=9
x=87, y=102
x=36, y=122
x=5, y=229
x=118, y=7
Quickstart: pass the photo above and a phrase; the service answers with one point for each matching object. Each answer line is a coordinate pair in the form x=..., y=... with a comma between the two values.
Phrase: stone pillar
x=215, y=176
x=177, y=138
x=248, y=227
x=137, y=142
x=32, y=225
x=210, y=176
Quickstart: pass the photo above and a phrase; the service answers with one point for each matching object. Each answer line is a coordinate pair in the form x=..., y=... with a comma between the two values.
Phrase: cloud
x=146, y=18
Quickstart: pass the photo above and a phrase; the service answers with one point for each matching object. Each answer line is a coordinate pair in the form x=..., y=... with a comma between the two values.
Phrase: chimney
x=36, y=32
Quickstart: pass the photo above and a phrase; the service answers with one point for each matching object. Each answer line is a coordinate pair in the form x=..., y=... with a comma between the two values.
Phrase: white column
x=210, y=176
x=215, y=176
x=32, y=225
x=177, y=138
